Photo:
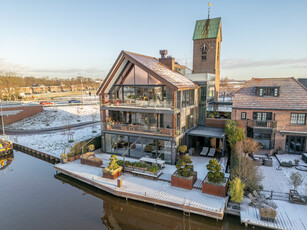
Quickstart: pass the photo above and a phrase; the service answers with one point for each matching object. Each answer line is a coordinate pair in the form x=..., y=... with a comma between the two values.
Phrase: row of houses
x=149, y=107
x=35, y=89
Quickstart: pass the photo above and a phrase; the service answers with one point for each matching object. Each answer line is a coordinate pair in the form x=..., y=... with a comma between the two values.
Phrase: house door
x=295, y=145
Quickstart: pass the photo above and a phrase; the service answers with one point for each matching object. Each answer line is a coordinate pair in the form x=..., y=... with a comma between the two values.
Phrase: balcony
x=262, y=124
x=138, y=128
x=138, y=104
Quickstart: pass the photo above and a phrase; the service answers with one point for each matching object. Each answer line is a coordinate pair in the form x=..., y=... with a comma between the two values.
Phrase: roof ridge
x=159, y=63
x=128, y=52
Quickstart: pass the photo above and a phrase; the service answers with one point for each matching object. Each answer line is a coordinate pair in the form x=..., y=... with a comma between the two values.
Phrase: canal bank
x=35, y=198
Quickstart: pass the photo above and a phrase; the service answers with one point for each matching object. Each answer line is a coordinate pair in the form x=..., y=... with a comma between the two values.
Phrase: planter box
x=114, y=176
x=181, y=182
x=267, y=219
x=71, y=158
x=215, y=189
x=77, y=156
x=91, y=162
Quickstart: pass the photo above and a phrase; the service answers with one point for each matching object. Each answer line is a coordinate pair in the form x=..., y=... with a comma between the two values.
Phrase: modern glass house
x=146, y=108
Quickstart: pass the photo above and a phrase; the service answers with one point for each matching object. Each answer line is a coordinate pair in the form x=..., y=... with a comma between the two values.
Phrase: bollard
x=119, y=183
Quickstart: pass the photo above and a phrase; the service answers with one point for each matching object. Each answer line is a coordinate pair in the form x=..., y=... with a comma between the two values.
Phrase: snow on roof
x=153, y=64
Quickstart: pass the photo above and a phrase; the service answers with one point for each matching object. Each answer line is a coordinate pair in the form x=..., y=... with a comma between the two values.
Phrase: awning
x=294, y=133
x=202, y=131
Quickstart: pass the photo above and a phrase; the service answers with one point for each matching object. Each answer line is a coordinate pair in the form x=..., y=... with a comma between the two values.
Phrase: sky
x=68, y=38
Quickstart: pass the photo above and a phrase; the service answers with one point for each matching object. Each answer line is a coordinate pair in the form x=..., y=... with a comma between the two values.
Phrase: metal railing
x=262, y=124
x=137, y=103
x=138, y=128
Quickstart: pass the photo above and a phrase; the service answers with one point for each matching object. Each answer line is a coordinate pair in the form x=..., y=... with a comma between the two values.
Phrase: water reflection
x=5, y=161
x=117, y=213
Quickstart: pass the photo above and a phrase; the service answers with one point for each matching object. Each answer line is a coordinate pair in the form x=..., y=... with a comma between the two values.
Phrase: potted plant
x=184, y=177
x=215, y=182
x=63, y=158
x=236, y=192
x=113, y=170
x=91, y=148
x=182, y=150
x=71, y=156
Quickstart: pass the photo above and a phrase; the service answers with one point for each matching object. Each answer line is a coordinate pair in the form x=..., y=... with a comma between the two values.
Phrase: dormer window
x=268, y=92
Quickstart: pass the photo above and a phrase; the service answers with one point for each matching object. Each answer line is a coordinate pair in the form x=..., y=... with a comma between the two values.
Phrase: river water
x=33, y=197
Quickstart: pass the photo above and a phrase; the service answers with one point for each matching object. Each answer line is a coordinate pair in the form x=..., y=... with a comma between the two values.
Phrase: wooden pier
x=181, y=199
x=36, y=153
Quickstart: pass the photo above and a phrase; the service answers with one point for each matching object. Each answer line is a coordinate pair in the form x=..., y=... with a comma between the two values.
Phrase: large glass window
x=167, y=97
x=141, y=77
x=111, y=143
x=178, y=99
x=295, y=144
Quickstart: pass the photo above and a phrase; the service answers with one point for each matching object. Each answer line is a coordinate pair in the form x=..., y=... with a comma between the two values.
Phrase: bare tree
x=296, y=179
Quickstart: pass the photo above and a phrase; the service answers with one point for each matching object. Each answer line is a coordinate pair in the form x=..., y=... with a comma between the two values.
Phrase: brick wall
x=283, y=123
x=217, y=123
x=26, y=112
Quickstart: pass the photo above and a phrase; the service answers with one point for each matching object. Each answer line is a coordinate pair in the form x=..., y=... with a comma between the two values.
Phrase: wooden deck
x=150, y=191
x=289, y=216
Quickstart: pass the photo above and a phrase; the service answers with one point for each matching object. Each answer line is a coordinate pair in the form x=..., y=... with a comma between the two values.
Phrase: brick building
x=273, y=111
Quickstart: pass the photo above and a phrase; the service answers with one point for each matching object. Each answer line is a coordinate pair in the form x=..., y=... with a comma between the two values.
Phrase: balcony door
x=295, y=144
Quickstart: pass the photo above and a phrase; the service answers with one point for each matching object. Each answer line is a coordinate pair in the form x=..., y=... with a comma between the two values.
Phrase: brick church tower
x=207, y=40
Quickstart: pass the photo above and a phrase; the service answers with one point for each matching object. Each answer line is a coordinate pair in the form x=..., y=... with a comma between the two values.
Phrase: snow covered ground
x=278, y=180
x=292, y=158
x=58, y=116
x=54, y=143
x=289, y=216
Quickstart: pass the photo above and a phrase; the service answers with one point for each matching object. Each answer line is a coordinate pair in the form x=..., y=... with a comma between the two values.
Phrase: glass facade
x=138, y=147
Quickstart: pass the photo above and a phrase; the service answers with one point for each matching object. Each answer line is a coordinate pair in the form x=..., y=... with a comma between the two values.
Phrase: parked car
x=46, y=103
x=74, y=101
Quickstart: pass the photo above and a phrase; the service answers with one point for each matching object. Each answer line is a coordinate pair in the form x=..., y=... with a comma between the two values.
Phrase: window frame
x=243, y=118
x=295, y=118
x=268, y=92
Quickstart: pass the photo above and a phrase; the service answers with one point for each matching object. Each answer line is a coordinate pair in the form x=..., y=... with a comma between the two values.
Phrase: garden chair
x=204, y=151
x=253, y=200
x=211, y=152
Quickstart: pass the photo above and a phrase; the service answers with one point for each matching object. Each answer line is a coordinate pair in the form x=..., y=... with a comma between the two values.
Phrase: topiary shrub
x=236, y=190
x=113, y=163
x=91, y=147
x=185, y=167
x=182, y=149
x=215, y=175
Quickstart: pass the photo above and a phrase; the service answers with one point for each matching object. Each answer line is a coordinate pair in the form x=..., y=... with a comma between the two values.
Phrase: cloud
x=245, y=63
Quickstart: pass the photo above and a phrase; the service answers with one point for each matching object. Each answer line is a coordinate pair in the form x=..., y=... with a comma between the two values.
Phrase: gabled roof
x=152, y=65
x=208, y=28
x=292, y=95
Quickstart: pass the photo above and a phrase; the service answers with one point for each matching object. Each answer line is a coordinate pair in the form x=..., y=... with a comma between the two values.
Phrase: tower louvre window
x=204, y=52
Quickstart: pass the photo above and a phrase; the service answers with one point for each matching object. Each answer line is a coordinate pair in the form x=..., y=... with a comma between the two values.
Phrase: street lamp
x=2, y=120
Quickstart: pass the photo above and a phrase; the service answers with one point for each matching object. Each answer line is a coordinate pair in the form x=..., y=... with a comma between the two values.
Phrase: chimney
x=163, y=53
x=167, y=61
